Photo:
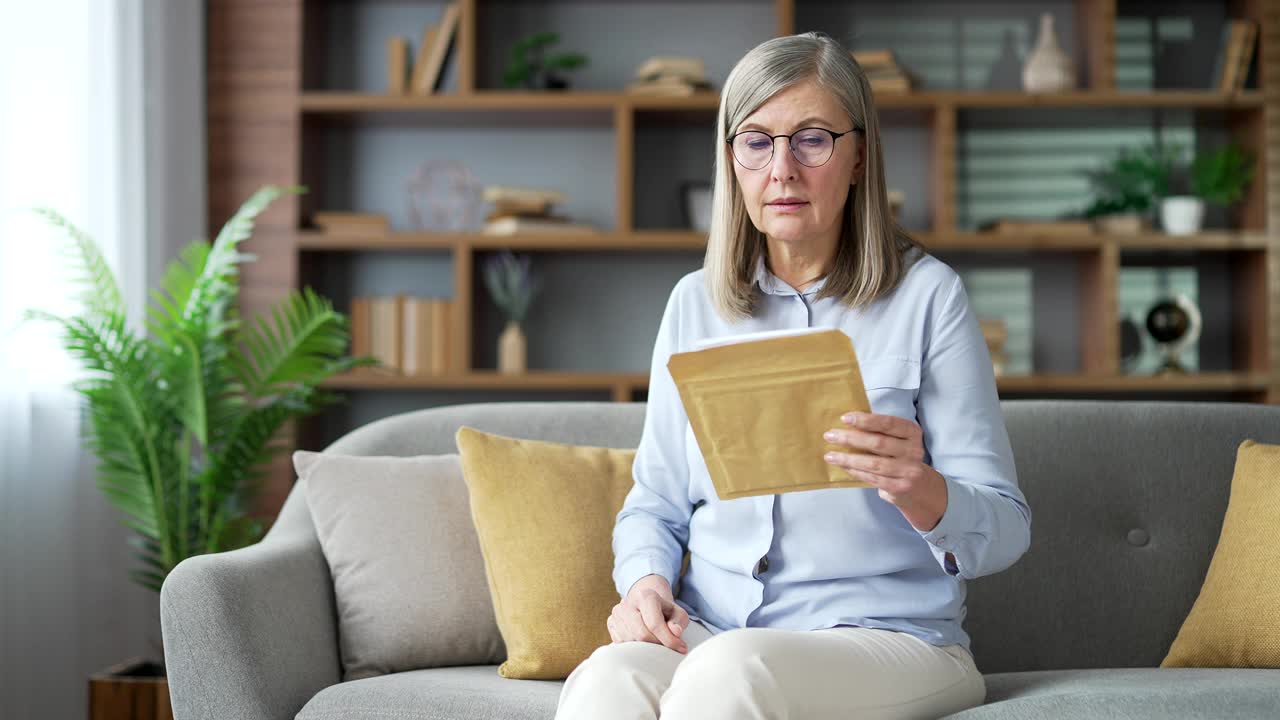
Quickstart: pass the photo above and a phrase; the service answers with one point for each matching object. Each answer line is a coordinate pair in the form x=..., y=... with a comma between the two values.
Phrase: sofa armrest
x=251, y=633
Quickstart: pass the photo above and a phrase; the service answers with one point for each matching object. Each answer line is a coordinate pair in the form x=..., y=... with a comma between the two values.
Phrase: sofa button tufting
x=1139, y=537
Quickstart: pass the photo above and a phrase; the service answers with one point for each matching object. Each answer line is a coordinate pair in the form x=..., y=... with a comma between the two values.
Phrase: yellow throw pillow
x=545, y=513
x=1235, y=621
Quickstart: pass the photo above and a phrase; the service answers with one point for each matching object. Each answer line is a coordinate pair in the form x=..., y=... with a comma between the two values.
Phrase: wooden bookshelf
x=262, y=126
x=690, y=240
x=321, y=102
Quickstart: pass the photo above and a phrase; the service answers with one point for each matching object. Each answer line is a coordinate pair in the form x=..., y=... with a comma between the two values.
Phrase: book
x=759, y=402
x=441, y=311
x=397, y=65
x=512, y=225
x=504, y=193
x=351, y=224
x=1230, y=57
x=427, y=73
x=693, y=69
x=360, y=321
x=418, y=80
x=424, y=345
x=385, y=329
x=1246, y=54
x=875, y=57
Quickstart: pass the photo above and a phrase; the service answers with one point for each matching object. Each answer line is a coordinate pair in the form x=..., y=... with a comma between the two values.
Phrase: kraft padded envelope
x=759, y=405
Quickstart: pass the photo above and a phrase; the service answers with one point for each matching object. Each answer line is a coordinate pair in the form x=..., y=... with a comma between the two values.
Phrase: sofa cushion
x=1130, y=693
x=408, y=578
x=455, y=693
x=545, y=512
x=1235, y=621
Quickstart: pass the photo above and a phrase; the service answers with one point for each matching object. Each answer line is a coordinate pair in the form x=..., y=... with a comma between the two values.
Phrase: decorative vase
x=512, y=349
x=1182, y=214
x=1048, y=68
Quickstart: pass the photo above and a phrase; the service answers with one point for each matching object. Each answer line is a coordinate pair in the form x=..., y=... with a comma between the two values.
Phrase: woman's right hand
x=649, y=614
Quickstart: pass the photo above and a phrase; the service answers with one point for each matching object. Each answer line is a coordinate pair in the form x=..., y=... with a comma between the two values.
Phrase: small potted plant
x=1128, y=188
x=529, y=65
x=512, y=287
x=1217, y=177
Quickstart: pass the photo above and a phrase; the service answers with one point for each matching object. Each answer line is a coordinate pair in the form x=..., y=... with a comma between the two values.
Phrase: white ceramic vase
x=1048, y=68
x=512, y=349
x=1181, y=214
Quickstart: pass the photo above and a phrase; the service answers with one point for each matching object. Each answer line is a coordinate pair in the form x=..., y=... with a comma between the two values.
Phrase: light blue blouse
x=842, y=556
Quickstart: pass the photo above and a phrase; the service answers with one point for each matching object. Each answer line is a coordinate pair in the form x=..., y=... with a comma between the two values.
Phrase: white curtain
x=72, y=139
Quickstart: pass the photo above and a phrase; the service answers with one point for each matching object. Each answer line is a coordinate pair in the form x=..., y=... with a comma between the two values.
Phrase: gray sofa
x=1128, y=501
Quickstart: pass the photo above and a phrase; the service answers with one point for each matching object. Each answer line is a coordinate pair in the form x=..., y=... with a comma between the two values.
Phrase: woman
x=844, y=602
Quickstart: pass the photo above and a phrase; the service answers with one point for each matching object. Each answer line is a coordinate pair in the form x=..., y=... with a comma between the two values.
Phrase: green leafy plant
x=182, y=418
x=1133, y=180
x=511, y=284
x=529, y=60
x=1220, y=176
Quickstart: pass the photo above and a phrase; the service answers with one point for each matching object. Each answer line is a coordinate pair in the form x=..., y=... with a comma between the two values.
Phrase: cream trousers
x=758, y=673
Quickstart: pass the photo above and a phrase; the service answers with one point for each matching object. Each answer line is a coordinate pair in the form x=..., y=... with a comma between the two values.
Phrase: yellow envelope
x=759, y=406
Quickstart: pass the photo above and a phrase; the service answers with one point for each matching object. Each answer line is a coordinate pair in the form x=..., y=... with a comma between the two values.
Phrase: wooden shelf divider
x=624, y=123
x=944, y=170
x=1096, y=42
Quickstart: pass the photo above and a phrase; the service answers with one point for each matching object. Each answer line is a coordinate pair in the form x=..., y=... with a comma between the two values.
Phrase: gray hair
x=870, y=254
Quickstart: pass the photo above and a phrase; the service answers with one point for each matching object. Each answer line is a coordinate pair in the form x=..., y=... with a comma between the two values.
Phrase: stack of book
x=408, y=335
x=352, y=224
x=1238, y=40
x=437, y=40
x=883, y=71
x=670, y=75
x=520, y=210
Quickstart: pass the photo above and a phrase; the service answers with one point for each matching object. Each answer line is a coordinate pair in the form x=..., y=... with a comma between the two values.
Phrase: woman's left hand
x=894, y=463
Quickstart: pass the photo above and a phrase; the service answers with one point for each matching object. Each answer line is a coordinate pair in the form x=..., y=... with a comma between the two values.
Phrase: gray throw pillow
x=408, y=576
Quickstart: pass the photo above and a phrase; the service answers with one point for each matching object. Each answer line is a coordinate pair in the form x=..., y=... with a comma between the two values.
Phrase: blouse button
x=763, y=565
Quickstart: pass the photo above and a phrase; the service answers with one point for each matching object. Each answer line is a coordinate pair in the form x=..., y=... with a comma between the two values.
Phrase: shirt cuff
x=957, y=520
x=637, y=566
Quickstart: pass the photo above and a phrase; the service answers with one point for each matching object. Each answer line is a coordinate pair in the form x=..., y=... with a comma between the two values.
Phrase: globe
x=1167, y=322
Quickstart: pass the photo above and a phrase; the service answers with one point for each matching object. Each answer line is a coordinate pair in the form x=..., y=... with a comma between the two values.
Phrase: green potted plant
x=530, y=65
x=1128, y=188
x=182, y=417
x=1218, y=177
x=512, y=288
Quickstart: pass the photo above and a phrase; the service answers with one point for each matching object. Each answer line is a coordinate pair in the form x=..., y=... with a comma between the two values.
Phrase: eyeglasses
x=811, y=147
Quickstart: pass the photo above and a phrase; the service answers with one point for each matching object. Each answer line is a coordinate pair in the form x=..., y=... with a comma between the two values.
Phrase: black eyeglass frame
x=773, y=145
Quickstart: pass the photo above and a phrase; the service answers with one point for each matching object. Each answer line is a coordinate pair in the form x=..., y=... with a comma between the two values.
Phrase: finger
x=878, y=443
x=613, y=635
x=678, y=622
x=655, y=618
x=888, y=467
x=887, y=424
x=634, y=628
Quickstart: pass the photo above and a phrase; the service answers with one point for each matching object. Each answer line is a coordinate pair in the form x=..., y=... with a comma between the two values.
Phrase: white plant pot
x=1181, y=215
